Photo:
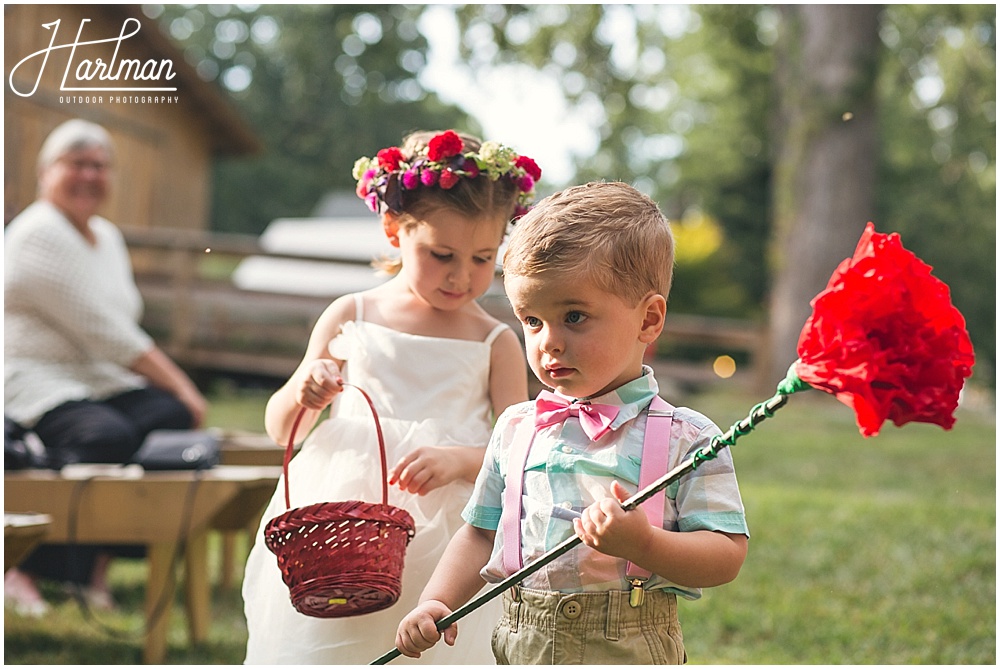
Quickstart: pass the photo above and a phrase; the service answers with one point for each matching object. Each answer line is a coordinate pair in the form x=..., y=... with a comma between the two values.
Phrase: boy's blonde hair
x=607, y=231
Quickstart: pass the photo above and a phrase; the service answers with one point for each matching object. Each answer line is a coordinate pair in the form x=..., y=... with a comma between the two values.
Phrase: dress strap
x=492, y=336
x=359, y=307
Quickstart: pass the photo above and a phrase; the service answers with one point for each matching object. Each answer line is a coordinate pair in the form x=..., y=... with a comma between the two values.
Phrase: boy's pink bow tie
x=595, y=419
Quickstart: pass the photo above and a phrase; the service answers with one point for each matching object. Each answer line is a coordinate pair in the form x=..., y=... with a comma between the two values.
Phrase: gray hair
x=73, y=135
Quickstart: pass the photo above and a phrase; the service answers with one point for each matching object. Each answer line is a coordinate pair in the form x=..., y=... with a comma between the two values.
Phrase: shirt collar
x=631, y=398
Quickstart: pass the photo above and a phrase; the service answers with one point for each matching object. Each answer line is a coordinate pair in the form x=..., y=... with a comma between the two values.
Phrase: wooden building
x=109, y=64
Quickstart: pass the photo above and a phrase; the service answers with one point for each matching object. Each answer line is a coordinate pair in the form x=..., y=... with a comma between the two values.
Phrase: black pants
x=109, y=431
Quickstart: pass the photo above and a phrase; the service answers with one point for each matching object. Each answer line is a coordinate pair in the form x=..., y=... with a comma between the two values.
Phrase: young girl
x=438, y=368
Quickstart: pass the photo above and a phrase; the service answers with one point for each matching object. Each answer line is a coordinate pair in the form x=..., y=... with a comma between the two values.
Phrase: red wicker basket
x=341, y=559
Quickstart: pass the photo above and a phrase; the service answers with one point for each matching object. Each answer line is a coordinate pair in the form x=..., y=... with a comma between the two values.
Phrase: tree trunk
x=825, y=165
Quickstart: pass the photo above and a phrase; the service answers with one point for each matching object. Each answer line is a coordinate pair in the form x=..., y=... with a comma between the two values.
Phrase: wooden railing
x=205, y=322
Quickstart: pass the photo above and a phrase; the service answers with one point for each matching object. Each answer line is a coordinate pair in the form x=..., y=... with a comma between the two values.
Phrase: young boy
x=588, y=272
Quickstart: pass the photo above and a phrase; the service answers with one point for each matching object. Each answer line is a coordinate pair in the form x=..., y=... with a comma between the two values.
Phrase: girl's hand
x=322, y=382
x=427, y=468
x=606, y=527
x=418, y=630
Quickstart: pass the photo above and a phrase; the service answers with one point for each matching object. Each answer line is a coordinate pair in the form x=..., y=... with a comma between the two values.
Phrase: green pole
x=759, y=413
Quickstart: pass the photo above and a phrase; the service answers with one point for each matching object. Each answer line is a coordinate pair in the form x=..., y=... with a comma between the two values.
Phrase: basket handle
x=381, y=447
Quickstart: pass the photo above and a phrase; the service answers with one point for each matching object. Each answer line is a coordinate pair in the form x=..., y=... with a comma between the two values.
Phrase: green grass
x=237, y=408
x=863, y=551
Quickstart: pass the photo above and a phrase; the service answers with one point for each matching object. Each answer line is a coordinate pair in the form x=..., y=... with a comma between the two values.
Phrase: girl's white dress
x=428, y=391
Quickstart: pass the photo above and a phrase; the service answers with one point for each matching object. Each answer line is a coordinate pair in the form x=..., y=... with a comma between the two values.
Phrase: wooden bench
x=21, y=533
x=124, y=506
x=250, y=448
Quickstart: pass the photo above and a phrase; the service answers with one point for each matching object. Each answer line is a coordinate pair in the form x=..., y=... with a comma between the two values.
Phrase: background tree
x=937, y=169
x=825, y=158
x=690, y=104
x=693, y=110
x=321, y=84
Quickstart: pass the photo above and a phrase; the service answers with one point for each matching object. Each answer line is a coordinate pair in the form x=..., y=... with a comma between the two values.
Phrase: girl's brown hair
x=477, y=199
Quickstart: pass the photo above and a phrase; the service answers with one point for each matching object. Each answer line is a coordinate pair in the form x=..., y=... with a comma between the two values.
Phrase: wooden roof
x=233, y=134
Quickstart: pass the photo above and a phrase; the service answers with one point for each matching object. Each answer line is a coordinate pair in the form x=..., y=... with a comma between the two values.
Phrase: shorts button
x=572, y=609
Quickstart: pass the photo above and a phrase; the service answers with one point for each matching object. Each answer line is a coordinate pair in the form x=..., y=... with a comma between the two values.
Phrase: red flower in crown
x=470, y=168
x=885, y=338
x=448, y=179
x=529, y=166
x=443, y=146
x=389, y=159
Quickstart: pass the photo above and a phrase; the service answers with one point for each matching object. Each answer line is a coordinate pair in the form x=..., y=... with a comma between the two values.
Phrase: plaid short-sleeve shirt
x=566, y=472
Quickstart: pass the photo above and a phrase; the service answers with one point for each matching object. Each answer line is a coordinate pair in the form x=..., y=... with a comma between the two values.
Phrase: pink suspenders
x=510, y=516
x=655, y=454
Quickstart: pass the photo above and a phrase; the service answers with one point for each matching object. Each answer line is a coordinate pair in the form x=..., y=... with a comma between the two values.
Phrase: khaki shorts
x=539, y=627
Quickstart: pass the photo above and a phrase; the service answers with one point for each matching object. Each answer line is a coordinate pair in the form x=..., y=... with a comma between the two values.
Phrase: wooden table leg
x=159, y=591
x=197, y=587
x=228, y=558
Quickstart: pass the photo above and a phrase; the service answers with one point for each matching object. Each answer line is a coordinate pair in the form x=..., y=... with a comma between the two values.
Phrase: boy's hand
x=418, y=630
x=426, y=468
x=321, y=384
x=606, y=527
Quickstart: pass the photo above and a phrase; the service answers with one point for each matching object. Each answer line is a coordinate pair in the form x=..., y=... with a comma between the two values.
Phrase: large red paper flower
x=445, y=145
x=885, y=338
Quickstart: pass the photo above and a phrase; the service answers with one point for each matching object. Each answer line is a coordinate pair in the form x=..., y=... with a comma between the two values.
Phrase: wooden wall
x=164, y=152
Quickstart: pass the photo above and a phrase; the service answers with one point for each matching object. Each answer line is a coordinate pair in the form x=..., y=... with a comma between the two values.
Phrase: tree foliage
x=938, y=155
x=321, y=84
x=686, y=111
x=684, y=95
x=690, y=117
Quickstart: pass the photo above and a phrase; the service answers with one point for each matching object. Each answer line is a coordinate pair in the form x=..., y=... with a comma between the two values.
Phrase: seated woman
x=78, y=369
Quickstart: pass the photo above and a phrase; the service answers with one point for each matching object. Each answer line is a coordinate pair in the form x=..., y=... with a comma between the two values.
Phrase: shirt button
x=572, y=609
x=567, y=449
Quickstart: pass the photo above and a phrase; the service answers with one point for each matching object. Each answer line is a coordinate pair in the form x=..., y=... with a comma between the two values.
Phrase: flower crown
x=442, y=163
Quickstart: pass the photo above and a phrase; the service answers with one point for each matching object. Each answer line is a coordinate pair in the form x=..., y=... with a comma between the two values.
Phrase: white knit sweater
x=71, y=314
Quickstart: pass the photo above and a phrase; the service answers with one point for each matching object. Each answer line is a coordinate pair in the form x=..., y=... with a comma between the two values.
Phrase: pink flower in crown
x=364, y=182
x=448, y=179
x=372, y=201
x=525, y=183
x=411, y=179
x=389, y=159
x=429, y=177
x=445, y=145
x=529, y=166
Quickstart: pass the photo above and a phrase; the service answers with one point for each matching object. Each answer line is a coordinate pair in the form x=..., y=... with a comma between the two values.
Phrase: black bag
x=178, y=449
x=17, y=452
